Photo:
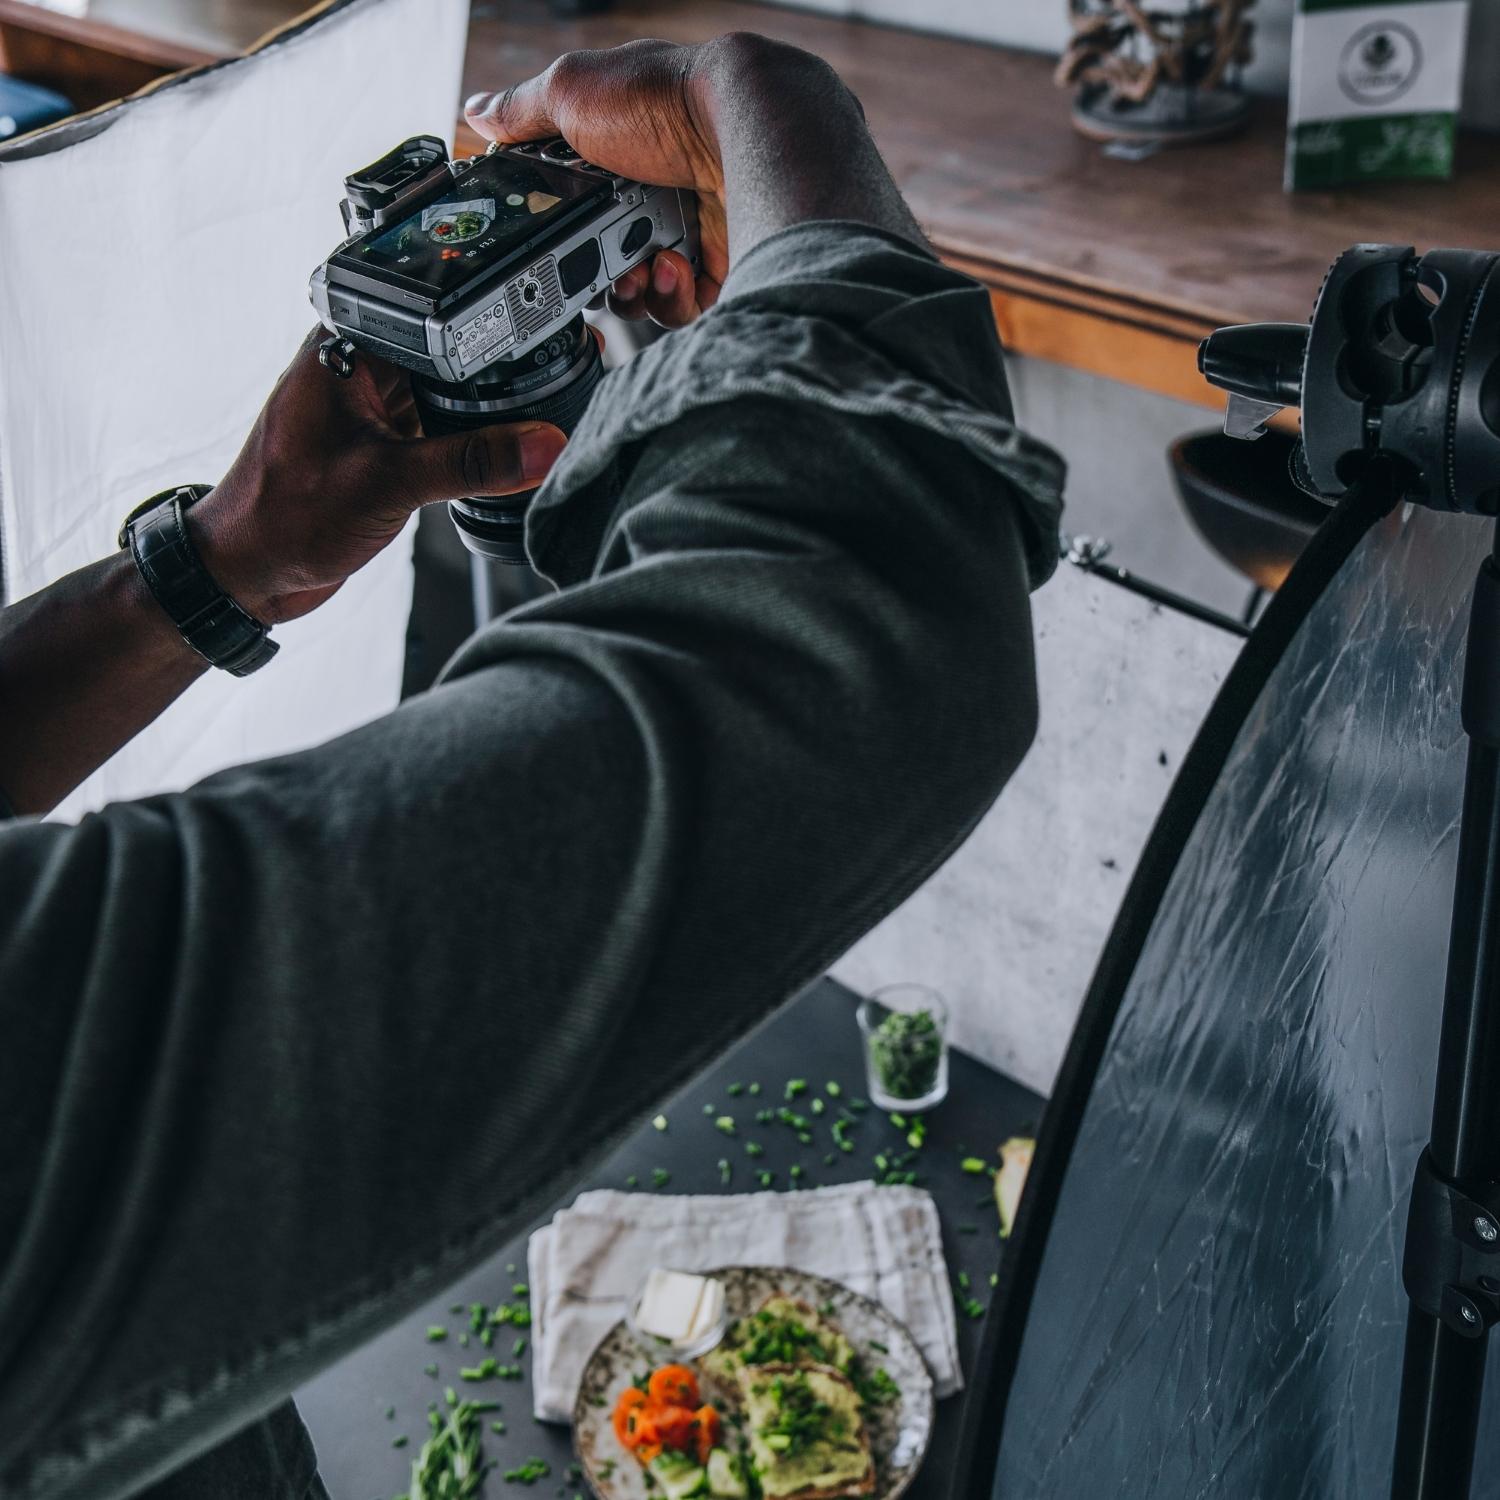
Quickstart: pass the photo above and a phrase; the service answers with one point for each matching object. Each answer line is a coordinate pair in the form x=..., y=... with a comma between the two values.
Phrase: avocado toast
x=807, y=1432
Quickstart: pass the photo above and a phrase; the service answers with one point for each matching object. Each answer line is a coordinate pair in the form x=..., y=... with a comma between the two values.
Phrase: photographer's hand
x=766, y=136
x=329, y=475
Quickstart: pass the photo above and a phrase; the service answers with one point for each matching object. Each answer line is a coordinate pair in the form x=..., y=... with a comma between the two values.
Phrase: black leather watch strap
x=222, y=633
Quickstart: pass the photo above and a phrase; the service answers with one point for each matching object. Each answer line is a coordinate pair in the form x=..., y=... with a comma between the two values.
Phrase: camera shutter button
x=635, y=236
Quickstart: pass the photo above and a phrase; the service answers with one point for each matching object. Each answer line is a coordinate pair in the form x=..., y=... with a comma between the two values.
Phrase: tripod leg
x=1442, y=1378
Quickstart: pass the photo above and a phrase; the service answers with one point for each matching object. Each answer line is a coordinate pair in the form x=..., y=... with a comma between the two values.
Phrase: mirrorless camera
x=473, y=274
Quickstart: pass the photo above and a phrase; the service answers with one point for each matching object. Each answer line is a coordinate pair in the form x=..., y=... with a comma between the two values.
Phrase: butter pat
x=679, y=1307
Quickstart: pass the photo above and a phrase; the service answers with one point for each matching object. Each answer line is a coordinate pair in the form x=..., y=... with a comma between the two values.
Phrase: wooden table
x=1109, y=266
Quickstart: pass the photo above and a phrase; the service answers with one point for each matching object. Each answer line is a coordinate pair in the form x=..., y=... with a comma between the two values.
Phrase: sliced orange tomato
x=673, y=1384
x=667, y=1414
x=706, y=1424
x=627, y=1415
x=675, y=1426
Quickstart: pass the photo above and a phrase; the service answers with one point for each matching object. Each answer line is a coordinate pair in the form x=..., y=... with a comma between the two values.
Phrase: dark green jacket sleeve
x=283, y=1054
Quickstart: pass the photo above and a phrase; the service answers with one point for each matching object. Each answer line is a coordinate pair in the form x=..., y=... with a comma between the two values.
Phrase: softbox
x=1203, y=1300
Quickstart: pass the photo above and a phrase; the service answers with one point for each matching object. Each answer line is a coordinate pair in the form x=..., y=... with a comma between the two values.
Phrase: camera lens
x=551, y=382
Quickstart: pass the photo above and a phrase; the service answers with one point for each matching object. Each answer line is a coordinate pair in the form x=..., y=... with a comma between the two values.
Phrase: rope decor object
x=1157, y=75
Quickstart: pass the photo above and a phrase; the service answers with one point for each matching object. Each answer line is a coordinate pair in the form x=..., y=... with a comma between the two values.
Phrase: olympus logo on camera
x=1380, y=62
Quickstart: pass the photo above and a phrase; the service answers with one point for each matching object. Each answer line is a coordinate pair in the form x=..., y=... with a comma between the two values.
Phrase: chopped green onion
x=660, y=1122
x=735, y=1090
x=973, y=1164
x=725, y=1123
x=660, y=1177
x=436, y=1334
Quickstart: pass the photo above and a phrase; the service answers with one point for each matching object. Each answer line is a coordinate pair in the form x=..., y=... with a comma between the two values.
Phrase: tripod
x=1398, y=381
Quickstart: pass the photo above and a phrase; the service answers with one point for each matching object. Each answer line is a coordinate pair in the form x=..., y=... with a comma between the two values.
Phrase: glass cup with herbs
x=905, y=1030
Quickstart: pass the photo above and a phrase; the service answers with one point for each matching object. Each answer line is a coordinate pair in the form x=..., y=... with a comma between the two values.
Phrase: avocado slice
x=678, y=1476
x=726, y=1477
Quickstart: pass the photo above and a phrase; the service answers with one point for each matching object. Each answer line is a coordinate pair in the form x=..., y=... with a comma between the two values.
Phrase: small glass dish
x=660, y=1347
x=905, y=1033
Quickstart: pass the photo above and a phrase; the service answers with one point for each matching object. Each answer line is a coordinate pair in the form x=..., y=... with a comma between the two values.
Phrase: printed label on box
x=1375, y=90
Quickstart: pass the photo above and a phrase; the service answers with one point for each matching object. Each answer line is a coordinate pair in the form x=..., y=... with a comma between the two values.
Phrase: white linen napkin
x=585, y=1265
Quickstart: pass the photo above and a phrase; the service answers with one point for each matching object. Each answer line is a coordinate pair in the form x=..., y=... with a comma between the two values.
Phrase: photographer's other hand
x=765, y=134
x=330, y=474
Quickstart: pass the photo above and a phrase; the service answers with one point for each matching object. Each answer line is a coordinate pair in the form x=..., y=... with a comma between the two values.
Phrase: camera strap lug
x=337, y=354
x=1451, y=1267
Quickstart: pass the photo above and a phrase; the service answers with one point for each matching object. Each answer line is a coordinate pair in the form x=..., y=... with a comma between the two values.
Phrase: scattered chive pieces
x=725, y=1170
x=456, y=1308
x=497, y=1427
x=660, y=1177
x=994, y=1278
x=899, y=1121
x=755, y=1088
x=795, y=1086
x=510, y=1269
x=449, y=1396
x=796, y=1172
x=914, y=1139
x=817, y=1106
x=829, y=1160
x=963, y=1281
x=973, y=1164
x=736, y=1089
x=430, y=1370
x=754, y=1148
x=832, y=1089
x=529, y=1472
x=882, y=1162
x=520, y=1289
x=859, y=1106
x=708, y=1109
x=400, y=1442
x=463, y=1340
x=725, y=1123
x=520, y=1348
x=660, y=1122
x=632, y=1181
x=767, y=1178
x=436, y=1334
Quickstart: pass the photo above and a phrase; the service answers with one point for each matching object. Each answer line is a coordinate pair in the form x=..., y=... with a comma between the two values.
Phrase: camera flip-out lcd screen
x=481, y=217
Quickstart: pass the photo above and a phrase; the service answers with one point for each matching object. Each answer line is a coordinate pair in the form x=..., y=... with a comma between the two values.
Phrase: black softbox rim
x=1010, y=1309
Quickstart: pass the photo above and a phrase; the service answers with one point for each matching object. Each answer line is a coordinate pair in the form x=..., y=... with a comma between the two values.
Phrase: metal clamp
x=1451, y=1268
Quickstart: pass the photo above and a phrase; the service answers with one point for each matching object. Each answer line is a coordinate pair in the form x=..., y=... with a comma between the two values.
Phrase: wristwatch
x=222, y=633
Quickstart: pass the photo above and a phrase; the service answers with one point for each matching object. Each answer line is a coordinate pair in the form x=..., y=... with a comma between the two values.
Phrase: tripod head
x=1399, y=367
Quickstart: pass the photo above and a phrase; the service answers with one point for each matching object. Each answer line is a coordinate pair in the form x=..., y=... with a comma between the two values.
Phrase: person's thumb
x=500, y=460
x=520, y=113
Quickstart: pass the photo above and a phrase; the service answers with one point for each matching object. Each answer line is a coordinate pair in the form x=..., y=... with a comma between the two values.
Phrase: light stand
x=1398, y=380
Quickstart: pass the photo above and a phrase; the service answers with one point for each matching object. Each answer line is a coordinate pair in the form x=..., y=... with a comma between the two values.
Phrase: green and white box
x=1375, y=90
